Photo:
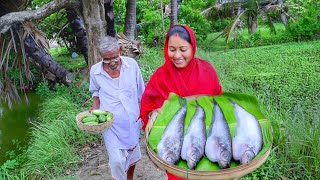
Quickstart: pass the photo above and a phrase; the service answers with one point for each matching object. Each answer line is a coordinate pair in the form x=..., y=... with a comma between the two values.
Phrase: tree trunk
x=162, y=18
x=12, y=6
x=173, y=15
x=282, y=15
x=40, y=56
x=109, y=15
x=94, y=18
x=79, y=31
x=253, y=24
x=130, y=22
x=8, y=19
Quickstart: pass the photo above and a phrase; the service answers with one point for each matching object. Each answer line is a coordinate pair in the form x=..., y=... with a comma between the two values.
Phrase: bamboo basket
x=92, y=129
x=229, y=173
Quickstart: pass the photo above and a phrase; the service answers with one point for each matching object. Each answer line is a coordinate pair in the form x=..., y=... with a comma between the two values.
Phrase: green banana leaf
x=173, y=104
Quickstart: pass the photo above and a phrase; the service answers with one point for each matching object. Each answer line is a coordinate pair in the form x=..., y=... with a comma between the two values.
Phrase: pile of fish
x=217, y=146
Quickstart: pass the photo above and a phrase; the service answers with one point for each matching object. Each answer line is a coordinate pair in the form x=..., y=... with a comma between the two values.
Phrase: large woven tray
x=230, y=173
x=92, y=129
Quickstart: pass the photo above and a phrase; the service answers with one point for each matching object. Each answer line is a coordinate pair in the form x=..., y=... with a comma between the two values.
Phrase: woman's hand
x=154, y=113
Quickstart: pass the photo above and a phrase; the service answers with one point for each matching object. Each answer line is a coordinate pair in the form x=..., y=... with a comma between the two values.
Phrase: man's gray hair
x=108, y=44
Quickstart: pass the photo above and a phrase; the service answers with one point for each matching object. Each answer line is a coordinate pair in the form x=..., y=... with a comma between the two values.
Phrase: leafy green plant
x=307, y=27
x=148, y=63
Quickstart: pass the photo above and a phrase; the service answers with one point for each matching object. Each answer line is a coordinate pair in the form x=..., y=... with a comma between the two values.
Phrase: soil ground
x=95, y=164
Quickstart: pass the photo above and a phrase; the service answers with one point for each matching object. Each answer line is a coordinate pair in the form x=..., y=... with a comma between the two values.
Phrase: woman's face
x=179, y=51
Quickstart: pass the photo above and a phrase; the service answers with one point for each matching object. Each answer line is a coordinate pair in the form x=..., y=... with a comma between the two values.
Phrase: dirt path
x=95, y=164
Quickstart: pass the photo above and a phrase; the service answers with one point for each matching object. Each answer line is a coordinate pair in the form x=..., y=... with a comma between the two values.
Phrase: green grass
x=64, y=58
x=264, y=31
x=149, y=61
x=55, y=136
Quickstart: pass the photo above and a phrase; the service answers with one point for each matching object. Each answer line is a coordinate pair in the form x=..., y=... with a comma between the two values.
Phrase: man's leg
x=131, y=172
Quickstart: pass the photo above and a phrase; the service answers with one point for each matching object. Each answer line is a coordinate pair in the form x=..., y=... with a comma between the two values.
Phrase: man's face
x=112, y=59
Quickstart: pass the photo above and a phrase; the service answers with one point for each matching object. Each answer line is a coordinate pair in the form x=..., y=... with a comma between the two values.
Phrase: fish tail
x=212, y=101
x=184, y=102
x=197, y=103
x=195, y=106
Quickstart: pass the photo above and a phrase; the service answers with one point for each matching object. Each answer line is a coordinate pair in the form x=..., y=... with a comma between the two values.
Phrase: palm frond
x=38, y=36
x=10, y=92
x=213, y=11
x=231, y=27
x=13, y=57
x=271, y=25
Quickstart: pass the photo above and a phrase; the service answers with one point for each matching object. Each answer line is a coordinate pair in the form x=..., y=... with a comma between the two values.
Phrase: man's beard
x=114, y=66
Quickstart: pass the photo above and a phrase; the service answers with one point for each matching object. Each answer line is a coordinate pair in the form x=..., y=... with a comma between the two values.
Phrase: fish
x=195, y=138
x=170, y=145
x=219, y=142
x=248, y=140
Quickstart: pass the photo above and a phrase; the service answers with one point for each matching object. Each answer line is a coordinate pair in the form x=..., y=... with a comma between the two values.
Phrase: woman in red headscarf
x=182, y=74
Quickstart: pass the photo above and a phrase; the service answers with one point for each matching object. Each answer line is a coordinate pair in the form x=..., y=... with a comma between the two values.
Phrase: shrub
x=307, y=27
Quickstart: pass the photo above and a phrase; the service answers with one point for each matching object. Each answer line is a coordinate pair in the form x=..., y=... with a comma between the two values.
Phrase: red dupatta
x=197, y=78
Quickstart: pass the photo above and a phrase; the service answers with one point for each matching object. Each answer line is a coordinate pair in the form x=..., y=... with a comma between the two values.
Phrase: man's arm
x=95, y=104
x=94, y=89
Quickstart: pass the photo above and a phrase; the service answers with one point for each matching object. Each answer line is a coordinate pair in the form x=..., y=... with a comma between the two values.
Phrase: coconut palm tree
x=79, y=31
x=109, y=16
x=24, y=47
x=130, y=21
x=249, y=10
x=173, y=14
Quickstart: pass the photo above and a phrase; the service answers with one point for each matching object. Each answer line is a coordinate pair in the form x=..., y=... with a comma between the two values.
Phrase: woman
x=182, y=74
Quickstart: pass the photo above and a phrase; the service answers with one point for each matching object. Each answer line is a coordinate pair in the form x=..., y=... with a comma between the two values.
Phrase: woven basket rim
x=92, y=129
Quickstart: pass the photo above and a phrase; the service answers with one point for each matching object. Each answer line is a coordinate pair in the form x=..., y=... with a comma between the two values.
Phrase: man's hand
x=92, y=108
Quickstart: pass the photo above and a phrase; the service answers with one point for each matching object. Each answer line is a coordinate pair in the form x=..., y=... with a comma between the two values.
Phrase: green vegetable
x=98, y=112
x=109, y=116
x=91, y=123
x=102, y=118
x=90, y=118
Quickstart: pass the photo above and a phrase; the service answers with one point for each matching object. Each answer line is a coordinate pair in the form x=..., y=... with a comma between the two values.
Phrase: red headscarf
x=197, y=78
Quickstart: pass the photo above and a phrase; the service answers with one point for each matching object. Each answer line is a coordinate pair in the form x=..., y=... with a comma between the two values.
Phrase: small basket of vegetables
x=94, y=122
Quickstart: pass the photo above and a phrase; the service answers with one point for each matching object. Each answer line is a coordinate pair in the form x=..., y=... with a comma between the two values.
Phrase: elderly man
x=116, y=84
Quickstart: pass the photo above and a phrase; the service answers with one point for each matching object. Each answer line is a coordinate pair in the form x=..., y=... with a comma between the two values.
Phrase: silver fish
x=169, y=147
x=218, y=145
x=248, y=140
x=195, y=139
